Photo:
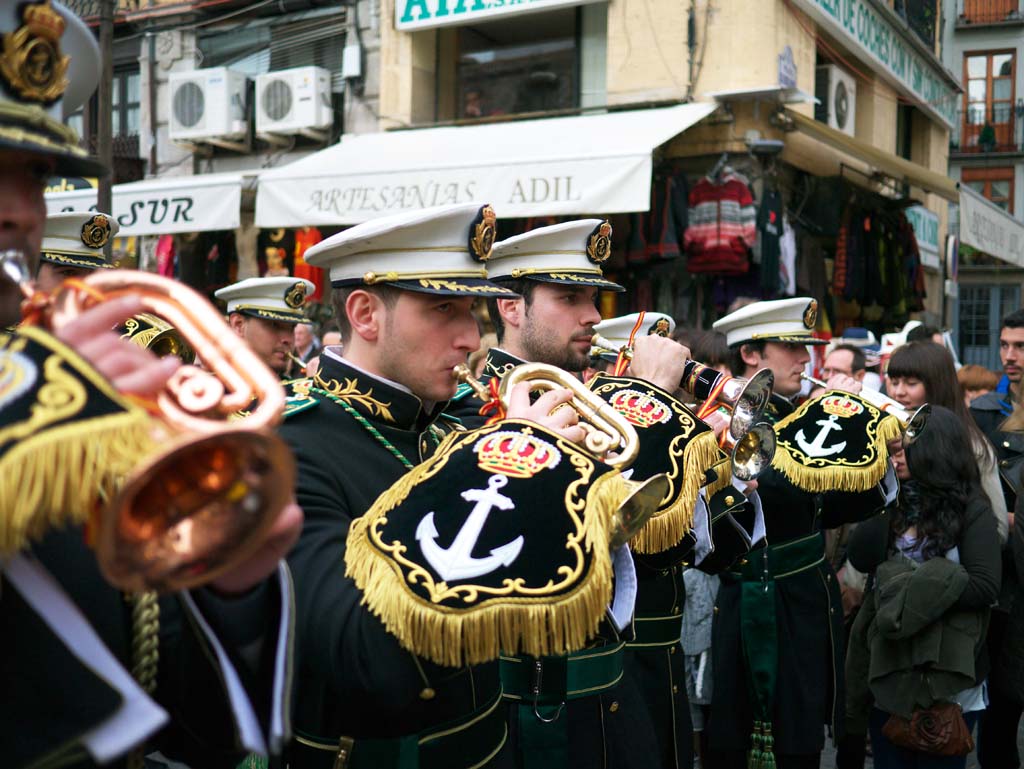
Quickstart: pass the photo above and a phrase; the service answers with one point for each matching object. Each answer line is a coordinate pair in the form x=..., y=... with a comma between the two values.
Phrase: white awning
x=166, y=205
x=587, y=164
x=989, y=228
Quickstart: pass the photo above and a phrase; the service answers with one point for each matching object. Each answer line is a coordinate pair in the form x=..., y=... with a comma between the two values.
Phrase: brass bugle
x=607, y=434
x=201, y=505
x=746, y=398
x=158, y=336
x=913, y=421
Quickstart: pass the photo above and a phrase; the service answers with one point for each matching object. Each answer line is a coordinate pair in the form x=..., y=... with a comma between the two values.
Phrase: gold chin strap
x=371, y=278
x=522, y=272
x=34, y=117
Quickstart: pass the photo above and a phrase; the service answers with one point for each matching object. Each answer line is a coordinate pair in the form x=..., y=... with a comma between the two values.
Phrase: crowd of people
x=450, y=576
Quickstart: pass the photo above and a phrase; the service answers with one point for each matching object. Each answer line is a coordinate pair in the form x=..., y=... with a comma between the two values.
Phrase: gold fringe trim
x=59, y=476
x=537, y=626
x=669, y=525
x=817, y=480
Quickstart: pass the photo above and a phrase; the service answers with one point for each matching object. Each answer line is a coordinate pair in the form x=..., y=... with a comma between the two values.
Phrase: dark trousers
x=889, y=756
x=737, y=759
x=997, y=730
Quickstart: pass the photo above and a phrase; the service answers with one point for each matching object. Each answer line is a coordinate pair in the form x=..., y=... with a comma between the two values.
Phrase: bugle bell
x=913, y=422
x=202, y=503
x=608, y=435
x=158, y=336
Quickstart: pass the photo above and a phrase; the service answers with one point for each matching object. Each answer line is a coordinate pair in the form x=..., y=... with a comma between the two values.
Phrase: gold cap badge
x=296, y=295
x=31, y=62
x=599, y=247
x=96, y=231
x=482, y=234
x=811, y=315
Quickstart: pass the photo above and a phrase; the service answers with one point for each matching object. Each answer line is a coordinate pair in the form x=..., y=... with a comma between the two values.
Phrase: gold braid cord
x=145, y=653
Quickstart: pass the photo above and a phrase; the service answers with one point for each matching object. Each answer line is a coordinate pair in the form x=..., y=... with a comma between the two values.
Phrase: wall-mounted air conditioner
x=208, y=105
x=294, y=101
x=836, y=91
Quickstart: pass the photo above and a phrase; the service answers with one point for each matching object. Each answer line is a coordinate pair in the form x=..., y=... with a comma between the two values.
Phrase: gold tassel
x=58, y=477
x=669, y=525
x=538, y=626
x=817, y=480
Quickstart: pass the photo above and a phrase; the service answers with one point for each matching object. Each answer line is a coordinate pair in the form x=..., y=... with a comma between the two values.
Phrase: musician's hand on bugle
x=277, y=543
x=659, y=360
x=844, y=383
x=130, y=368
x=718, y=422
x=545, y=411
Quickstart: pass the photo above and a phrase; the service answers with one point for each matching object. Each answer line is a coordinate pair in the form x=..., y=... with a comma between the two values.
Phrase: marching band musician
x=556, y=270
x=264, y=312
x=778, y=639
x=69, y=247
x=367, y=416
x=212, y=676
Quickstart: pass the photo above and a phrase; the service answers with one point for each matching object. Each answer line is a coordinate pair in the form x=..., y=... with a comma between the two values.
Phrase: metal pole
x=104, y=123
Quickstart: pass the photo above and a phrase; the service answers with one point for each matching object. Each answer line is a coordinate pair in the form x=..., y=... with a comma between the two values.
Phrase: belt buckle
x=344, y=752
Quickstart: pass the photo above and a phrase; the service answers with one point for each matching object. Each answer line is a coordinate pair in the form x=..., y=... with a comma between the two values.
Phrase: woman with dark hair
x=935, y=566
x=923, y=372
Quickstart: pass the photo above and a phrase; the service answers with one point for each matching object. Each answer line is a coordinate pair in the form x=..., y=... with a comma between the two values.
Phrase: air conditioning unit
x=209, y=105
x=294, y=101
x=836, y=91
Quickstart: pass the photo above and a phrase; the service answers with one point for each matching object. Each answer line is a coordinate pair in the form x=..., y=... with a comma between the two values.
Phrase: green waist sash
x=758, y=632
x=541, y=687
x=466, y=743
x=657, y=632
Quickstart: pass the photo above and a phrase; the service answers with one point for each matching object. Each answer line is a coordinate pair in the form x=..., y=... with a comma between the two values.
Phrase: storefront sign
x=164, y=207
x=881, y=44
x=989, y=228
x=587, y=164
x=787, y=68
x=67, y=183
x=421, y=14
x=926, y=231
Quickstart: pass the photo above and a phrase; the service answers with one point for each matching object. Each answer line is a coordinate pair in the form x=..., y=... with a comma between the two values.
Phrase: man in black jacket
x=208, y=666
x=366, y=417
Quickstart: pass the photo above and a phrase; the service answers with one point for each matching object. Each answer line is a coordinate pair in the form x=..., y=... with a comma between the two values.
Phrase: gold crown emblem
x=841, y=405
x=483, y=233
x=96, y=231
x=296, y=295
x=31, y=62
x=599, y=246
x=640, y=409
x=518, y=454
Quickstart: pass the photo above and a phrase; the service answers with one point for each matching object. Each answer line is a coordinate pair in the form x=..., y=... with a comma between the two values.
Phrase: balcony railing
x=1000, y=129
x=989, y=12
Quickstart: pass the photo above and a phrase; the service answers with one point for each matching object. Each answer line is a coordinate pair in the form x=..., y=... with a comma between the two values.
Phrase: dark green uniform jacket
x=612, y=728
x=808, y=620
x=354, y=680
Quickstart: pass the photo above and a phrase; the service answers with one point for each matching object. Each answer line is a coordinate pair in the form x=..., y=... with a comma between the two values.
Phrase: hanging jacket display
x=721, y=227
x=769, y=236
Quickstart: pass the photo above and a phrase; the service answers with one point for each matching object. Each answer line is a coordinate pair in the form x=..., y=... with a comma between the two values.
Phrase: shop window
x=988, y=101
x=996, y=184
x=518, y=65
x=981, y=309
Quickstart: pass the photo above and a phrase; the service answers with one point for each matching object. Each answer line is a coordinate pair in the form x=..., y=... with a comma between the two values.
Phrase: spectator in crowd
x=306, y=345
x=976, y=381
x=923, y=332
x=710, y=348
x=935, y=566
x=923, y=372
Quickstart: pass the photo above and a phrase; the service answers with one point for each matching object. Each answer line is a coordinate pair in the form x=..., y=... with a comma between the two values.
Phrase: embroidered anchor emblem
x=817, y=447
x=456, y=561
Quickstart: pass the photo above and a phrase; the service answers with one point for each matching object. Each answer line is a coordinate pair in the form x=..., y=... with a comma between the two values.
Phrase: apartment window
x=518, y=65
x=125, y=100
x=996, y=184
x=981, y=309
x=988, y=113
x=987, y=11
